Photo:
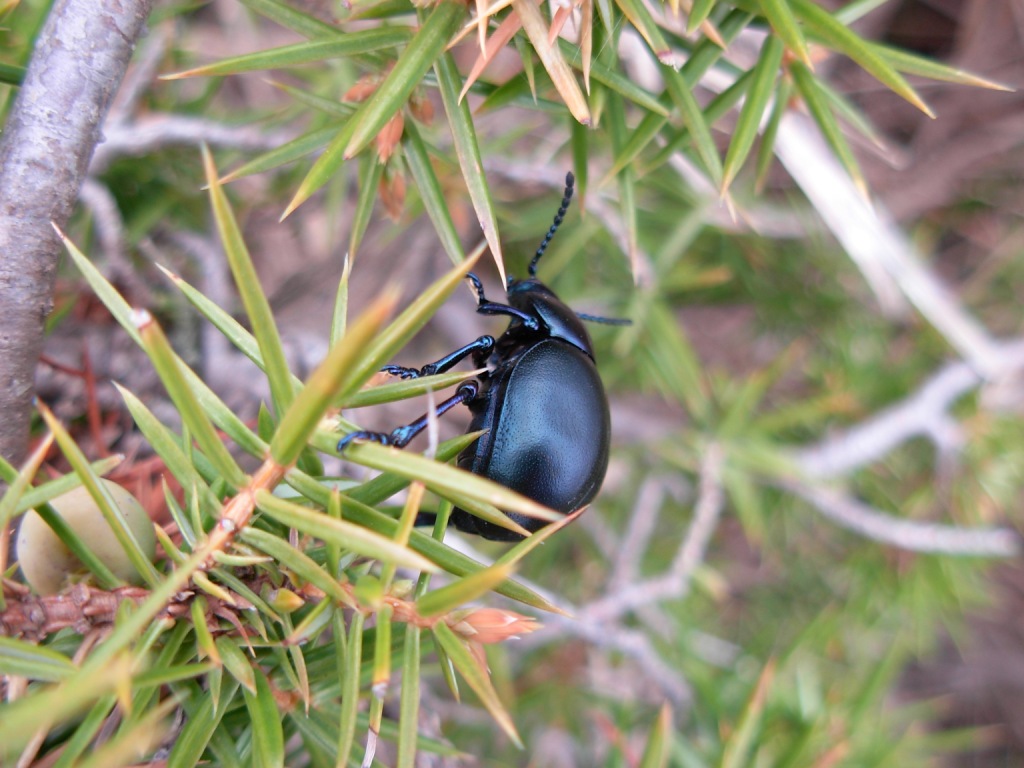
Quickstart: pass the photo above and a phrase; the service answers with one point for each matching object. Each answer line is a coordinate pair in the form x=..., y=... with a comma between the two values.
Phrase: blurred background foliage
x=776, y=609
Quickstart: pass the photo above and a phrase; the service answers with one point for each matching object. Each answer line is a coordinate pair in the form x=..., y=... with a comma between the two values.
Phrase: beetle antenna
x=569, y=181
x=603, y=320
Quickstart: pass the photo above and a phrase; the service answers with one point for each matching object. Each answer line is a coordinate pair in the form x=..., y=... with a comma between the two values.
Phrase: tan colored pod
x=48, y=565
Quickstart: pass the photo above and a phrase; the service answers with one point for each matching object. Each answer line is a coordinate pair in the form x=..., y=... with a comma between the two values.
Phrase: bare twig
x=642, y=523
x=140, y=75
x=876, y=244
x=79, y=59
x=924, y=413
x=110, y=230
x=912, y=535
x=636, y=646
x=140, y=137
x=109, y=224
x=675, y=582
x=599, y=623
x=216, y=285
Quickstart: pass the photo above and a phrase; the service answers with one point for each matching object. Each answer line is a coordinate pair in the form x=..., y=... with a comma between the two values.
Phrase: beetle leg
x=480, y=349
x=401, y=436
x=490, y=308
x=485, y=307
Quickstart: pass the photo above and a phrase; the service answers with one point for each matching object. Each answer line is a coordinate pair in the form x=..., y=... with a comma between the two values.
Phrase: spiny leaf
x=558, y=70
x=351, y=537
x=692, y=115
x=476, y=677
x=323, y=169
x=349, y=655
x=286, y=153
x=222, y=416
x=33, y=662
x=780, y=16
x=460, y=592
x=657, y=750
x=403, y=327
x=18, y=482
x=737, y=747
x=265, y=722
x=467, y=148
x=293, y=19
x=698, y=13
x=618, y=82
x=334, y=374
x=222, y=320
x=406, y=388
x=417, y=160
x=758, y=95
x=257, y=306
x=296, y=561
x=349, y=44
x=444, y=478
x=170, y=370
x=843, y=39
x=204, y=716
x=417, y=58
x=103, y=499
x=766, y=151
x=818, y=106
x=489, y=49
x=371, y=171
x=454, y=562
x=912, y=64
x=409, y=703
x=642, y=20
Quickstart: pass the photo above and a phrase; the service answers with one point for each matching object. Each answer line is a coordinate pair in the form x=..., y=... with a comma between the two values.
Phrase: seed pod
x=47, y=563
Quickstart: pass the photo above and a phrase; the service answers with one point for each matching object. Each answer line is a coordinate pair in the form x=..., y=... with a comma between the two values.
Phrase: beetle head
x=557, y=320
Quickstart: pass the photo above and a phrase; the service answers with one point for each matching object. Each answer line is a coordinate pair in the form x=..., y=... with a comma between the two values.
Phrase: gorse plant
x=232, y=559
x=295, y=618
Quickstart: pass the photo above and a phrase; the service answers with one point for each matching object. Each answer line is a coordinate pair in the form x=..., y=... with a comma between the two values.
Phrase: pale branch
x=138, y=80
x=110, y=231
x=925, y=413
x=911, y=535
x=643, y=522
x=208, y=256
x=637, y=646
x=882, y=253
x=155, y=132
x=876, y=244
x=674, y=583
x=80, y=56
x=600, y=622
x=609, y=636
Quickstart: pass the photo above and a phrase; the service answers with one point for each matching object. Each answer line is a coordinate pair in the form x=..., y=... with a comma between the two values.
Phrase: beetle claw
x=398, y=370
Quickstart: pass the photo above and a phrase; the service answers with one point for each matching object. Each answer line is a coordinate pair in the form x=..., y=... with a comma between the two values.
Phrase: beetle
x=541, y=401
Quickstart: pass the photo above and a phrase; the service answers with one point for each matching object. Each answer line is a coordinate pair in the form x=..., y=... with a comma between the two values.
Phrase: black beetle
x=541, y=401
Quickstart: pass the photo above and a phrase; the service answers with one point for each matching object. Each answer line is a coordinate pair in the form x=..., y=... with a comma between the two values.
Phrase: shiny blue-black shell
x=545, y=411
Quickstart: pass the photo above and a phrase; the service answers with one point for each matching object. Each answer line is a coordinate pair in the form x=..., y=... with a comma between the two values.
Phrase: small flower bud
x=283, y=600
x=493, y=625
x=389, y=136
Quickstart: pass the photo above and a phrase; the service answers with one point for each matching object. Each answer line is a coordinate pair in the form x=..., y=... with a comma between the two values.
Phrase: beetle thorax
x=557, y=320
